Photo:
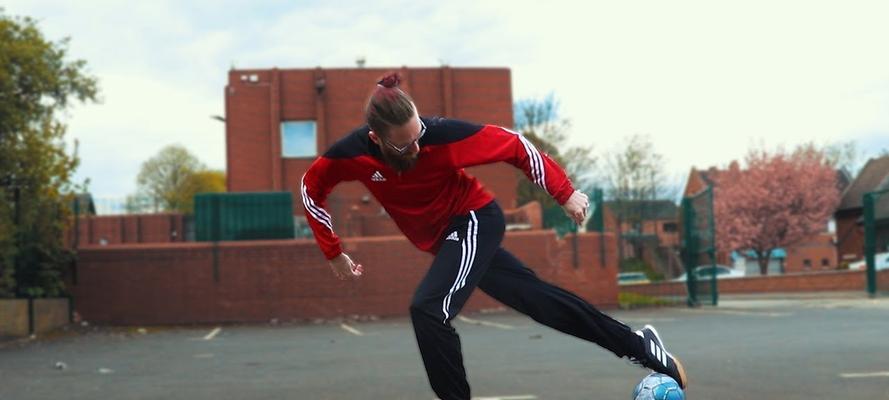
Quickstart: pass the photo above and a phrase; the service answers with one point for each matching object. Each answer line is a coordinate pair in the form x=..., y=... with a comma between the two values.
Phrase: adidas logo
x=453, y=236
x=377, y=177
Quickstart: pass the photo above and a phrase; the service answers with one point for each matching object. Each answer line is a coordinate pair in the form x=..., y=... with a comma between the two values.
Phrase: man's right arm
x=315, y=185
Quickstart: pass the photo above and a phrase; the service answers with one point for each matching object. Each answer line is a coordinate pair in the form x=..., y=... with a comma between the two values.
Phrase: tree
x=844, y=155
x=163, y=177
x=538, y=121
x=37, y=82
x=635, y=175
x=777, y=201
x=206, y=181
x=169, y=180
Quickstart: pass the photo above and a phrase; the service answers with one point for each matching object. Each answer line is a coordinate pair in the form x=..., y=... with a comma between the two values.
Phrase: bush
x=7, y=251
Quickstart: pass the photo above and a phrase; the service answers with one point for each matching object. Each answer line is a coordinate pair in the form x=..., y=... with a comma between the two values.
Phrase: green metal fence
x=243, y=216
x=554, y=218
x=876, y=241
x=596, y=222
x=699, y=248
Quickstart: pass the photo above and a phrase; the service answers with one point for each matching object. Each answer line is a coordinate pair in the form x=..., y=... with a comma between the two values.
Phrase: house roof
x=648, y=210
x=874, y=176
x=83, y=203
x=709, y=175
x=844, y=179
x=699, y=180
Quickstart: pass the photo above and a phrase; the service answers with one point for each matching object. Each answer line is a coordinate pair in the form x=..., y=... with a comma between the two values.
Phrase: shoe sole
x=682, y=376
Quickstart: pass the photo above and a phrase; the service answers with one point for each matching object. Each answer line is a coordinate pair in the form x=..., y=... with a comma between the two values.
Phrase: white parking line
x=484, y=323
x=518, y=397
x=738, y=312
x=351, y=330
x=212, y=334
x=647, y=320
x=877, y=374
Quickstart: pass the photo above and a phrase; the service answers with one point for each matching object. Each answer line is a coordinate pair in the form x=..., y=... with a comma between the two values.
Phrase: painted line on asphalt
x=484, y=323
x=212, y=333
x=877, y=374
x=738, y=312
x=351, y=330
x=646, y=320
x=517, y=397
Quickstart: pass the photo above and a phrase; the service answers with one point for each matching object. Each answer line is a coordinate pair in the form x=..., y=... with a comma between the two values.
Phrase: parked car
x=880, y=259
x=703, y=272
x=624, y=278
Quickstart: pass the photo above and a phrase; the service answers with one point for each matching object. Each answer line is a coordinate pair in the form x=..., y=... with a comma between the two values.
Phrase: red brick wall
x=254, y=111
x=816, y=250
x=174, y=283
x=530, y=214
x=850, y=236
x=134, y=228
x=809, y=282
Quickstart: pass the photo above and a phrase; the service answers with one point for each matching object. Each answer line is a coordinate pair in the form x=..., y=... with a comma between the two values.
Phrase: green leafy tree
x=37, y=83
x=207, y=181
x=169, y=180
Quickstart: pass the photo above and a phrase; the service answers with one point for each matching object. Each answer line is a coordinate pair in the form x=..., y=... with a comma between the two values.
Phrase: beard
x=400, y=163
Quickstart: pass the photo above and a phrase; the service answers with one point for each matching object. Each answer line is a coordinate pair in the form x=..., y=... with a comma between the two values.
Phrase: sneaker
x=657, y=358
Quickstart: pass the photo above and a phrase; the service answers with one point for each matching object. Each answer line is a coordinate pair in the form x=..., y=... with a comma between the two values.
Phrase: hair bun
x=391, y=80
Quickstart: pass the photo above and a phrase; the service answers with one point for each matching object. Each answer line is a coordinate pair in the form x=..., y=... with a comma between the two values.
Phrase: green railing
x=876, y=237
x=699, y=247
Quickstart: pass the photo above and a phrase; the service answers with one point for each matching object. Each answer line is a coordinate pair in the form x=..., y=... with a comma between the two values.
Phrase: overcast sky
x=704, y=79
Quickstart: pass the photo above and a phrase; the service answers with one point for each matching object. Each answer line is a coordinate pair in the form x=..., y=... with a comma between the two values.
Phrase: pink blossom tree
x=780, y=199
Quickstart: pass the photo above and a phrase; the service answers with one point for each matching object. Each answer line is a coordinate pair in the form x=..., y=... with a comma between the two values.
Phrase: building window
x=807, y=264
x=825, y=262
x=670, y=227
x=298, y=139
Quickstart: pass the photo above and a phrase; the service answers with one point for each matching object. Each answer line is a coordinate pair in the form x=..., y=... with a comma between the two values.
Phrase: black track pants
x=471, y=256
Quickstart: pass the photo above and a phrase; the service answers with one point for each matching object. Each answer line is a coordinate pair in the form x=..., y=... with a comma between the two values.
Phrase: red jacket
x=423, y=199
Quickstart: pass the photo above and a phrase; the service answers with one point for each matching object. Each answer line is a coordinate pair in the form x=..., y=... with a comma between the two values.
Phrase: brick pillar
x=447, y=92
x=275, y=125
x=322, y=139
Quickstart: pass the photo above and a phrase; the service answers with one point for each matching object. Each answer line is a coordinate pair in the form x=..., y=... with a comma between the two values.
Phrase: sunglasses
x=405, y=148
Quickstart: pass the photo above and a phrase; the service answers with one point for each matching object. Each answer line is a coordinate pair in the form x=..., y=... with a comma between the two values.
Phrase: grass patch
x=634, y=300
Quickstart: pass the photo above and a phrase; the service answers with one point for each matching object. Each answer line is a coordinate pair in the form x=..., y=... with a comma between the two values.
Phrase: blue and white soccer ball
x=658, y=386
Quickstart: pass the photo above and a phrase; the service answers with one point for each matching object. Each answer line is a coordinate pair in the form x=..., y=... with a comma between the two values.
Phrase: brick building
x=279, y=120
x=850, y=214
x=658, y=219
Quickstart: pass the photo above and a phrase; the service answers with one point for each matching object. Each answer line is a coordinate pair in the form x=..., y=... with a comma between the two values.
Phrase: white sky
x=704, y=79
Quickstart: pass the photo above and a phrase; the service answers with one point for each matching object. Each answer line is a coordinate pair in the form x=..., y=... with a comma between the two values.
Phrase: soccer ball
x=658, y=386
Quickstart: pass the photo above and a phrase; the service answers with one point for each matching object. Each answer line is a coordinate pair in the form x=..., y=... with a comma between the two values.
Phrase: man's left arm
x=492, y=144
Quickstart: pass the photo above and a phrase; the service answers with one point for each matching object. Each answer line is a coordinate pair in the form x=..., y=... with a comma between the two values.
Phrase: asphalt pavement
x=776, y=347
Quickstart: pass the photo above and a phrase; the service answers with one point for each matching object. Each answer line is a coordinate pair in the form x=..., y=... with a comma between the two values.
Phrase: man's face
x=400, y=146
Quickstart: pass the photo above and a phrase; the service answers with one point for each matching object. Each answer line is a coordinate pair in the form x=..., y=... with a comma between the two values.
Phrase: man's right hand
x=344, y=268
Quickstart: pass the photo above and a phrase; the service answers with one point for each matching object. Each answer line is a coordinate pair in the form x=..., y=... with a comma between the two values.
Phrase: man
x=414, y=167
